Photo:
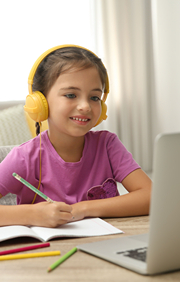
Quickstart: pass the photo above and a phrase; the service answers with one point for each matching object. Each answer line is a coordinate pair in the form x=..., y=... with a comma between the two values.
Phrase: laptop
x=159, y=250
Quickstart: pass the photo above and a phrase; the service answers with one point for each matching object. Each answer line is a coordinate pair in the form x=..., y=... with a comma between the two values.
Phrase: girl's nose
x=84, y=106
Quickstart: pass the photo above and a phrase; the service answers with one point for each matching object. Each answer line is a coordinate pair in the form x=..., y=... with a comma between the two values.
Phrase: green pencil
x=32, y=188
x=63, y=258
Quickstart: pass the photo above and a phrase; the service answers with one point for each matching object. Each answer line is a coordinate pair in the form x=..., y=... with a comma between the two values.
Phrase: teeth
x=80, y=119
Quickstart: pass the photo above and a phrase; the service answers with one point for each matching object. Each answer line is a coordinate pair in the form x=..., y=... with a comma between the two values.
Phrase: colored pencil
x=7, y=252
x=42, y=195
x=32, y=255
x=63, y=258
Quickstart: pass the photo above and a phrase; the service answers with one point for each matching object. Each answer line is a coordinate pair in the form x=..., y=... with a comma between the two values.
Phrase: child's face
x=74, y=102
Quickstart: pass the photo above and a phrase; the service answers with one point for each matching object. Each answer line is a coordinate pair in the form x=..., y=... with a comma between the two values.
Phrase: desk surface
x=80, y=266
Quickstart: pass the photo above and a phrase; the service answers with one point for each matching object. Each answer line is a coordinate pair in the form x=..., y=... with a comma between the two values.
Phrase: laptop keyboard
x=139, y=254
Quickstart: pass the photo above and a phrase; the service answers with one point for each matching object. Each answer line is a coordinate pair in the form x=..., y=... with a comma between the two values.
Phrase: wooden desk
x=80, y=266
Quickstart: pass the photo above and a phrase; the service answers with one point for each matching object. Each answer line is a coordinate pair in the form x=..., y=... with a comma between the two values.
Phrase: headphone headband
x=46, y=53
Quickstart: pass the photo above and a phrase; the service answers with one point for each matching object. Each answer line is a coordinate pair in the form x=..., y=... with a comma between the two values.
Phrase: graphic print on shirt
x=107, y=190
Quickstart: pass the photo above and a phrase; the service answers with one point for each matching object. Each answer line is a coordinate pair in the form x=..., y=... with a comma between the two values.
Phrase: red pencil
x=44, y=245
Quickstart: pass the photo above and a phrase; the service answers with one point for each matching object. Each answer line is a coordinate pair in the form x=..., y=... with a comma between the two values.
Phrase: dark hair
x=62, y=60
x=65, y=59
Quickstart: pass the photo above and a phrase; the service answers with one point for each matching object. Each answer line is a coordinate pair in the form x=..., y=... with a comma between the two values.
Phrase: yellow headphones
x=36, y=104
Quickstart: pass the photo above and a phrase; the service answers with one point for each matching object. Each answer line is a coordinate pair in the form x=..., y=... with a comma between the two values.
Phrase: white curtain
x=127, y=36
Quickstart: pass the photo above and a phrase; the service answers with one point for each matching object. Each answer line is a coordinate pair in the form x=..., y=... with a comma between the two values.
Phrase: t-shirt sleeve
x=14, y=162
x=121, y=159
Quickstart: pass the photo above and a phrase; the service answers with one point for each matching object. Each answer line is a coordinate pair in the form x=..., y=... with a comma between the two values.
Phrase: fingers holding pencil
x=51, y=214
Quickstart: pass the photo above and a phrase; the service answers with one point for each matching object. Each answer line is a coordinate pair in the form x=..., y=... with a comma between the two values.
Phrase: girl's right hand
x=51, y=214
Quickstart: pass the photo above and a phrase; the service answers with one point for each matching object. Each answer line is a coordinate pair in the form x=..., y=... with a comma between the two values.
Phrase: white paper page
x=15, y=231
x=82, y=228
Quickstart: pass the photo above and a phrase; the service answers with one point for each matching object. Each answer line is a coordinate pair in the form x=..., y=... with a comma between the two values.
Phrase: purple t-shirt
x=105, y=160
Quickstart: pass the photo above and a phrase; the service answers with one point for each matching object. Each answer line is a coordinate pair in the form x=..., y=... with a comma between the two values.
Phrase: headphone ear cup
x=103, y=115
x=36, y=106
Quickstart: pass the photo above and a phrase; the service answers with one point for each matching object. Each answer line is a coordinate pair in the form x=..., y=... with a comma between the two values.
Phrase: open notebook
x=82, y=228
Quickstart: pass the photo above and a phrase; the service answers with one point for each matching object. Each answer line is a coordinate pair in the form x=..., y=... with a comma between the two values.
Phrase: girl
x=78, y=167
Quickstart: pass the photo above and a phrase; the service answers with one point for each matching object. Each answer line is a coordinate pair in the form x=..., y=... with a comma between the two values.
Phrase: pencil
x=32, y=188
x=7, y=252
x=32, y=255
x=63, y=258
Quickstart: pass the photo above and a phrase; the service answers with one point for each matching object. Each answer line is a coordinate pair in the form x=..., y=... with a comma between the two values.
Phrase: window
x=28, y=28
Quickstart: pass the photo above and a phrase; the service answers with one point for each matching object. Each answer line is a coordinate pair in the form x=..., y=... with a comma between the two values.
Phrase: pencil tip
x=49, y=269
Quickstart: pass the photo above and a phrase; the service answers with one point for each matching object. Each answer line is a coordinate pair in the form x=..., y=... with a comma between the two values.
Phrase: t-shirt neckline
x=54, y=153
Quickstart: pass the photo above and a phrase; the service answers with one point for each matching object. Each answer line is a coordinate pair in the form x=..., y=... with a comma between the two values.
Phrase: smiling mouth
x=80, y=119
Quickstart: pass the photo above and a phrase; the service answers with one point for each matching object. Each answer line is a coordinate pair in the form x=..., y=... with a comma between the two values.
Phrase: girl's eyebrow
x=70, y=88
x=76, y=88
x=97, y=89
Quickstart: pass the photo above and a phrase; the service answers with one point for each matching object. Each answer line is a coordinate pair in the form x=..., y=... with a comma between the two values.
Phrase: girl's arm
x=135, y=203
x=41, y=214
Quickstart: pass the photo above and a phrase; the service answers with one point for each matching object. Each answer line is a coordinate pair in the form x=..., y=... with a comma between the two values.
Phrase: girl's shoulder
x=101, y=134
x=104, y=141
x=31, y=146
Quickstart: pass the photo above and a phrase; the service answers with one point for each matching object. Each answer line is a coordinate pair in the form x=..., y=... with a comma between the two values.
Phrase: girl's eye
x=95, y=98
x=71, y=96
